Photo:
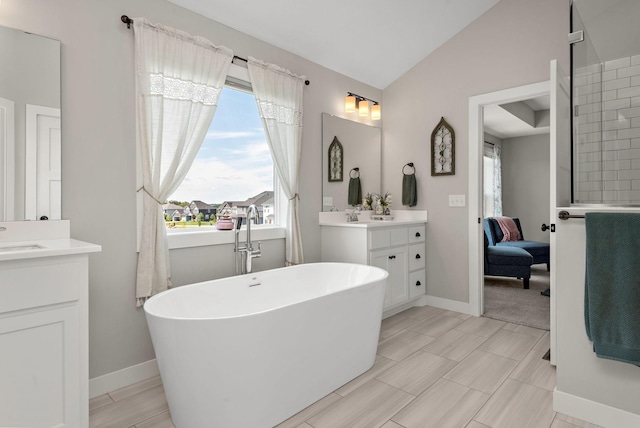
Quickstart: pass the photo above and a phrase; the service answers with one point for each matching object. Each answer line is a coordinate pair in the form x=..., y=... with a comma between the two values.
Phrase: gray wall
x=510, y=45
x=98, y=153
x=525, y=183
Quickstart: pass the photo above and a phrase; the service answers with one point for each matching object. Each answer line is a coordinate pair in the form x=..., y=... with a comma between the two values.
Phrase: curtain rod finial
x=126, y=20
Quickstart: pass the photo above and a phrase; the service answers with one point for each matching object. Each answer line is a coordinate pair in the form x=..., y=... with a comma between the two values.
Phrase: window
x=489, y=197
x=234, y=165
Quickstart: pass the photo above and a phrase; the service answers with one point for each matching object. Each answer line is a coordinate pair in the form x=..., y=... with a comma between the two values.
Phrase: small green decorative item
x=443, y=149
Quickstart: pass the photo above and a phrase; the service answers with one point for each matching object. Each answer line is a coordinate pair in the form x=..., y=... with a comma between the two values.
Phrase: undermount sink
x=25, y=247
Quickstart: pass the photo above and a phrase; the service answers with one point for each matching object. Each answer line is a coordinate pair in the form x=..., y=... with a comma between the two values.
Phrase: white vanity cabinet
x=44, y=371
x=398, y=249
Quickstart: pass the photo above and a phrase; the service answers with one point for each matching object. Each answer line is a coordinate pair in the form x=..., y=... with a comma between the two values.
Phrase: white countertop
x=49, y=248
x=400, y=218
x=18, y=238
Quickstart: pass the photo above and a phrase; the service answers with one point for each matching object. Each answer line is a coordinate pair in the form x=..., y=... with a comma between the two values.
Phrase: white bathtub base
x=258, y=370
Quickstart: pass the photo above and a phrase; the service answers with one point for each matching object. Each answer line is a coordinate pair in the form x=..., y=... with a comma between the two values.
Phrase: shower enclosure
x=605, y=75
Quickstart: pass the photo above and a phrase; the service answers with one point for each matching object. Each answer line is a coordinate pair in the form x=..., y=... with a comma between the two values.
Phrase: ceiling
x=520, y=119
x=372, y=41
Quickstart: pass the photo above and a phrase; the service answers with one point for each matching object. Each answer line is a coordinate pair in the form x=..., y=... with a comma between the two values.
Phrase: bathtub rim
x=148, y=305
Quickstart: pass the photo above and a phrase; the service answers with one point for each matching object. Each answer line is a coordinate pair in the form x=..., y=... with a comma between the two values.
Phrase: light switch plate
x=456, y=200
x=327, y=201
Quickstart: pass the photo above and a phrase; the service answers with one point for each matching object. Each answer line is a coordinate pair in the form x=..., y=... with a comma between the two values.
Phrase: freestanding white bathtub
x=252, y=350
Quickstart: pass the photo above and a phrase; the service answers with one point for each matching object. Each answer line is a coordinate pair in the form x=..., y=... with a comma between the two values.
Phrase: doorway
x=477, y=105
x=516, y=159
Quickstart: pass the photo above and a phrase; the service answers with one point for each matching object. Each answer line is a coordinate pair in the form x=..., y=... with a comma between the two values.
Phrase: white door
x=43, y=168
x=560, y=175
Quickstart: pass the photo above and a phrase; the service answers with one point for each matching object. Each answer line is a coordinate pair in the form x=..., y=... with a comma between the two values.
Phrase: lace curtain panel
x=179, y=78
x=279, y=96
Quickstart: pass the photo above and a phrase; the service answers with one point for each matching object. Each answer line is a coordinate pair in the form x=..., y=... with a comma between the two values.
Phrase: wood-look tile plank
x=517, y=404
x=403, y=344
x=575, y=421
x=417, y=372
x=543, y=344
x=455, y=345
x=391, y=424
x=535, y=371
x=99, y=401
x=476, y=424
x=299, y=418
x=557, y=423
x=163, y=420
x=133, y=410
x=509, y=344
x=482, y=371
x=480, y=326
x=370, y=406
x=421, y=312
x=136, y=388
x=380, y=366
x=525, y=330
x=436, y=326
x=445, y=405
x=395, y=324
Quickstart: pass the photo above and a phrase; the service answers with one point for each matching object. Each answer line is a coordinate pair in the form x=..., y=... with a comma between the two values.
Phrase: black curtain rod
x=125, y=19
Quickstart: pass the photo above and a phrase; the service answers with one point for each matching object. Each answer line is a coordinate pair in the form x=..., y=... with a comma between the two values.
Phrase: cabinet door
x=397, y=282
x=39, y=369
x=381, y=259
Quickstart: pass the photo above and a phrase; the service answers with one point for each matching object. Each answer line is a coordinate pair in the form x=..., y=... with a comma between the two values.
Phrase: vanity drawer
x=416, y=234
x=416, y=256
x=38, y=282
x=417, y=283
x=384, y=238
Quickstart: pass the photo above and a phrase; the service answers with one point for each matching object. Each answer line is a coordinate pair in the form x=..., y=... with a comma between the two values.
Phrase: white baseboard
x=121, y=378
x=450, y=305
x=593, y=412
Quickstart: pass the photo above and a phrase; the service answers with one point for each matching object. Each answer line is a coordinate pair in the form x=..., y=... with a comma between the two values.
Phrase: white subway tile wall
x=607, y=132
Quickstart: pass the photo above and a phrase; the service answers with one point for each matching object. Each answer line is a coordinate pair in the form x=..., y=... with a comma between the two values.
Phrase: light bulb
x=375, y=112
x=363, y=108
x=350, y=104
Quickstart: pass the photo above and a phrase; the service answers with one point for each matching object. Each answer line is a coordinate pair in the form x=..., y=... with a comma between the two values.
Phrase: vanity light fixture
x=354, y=102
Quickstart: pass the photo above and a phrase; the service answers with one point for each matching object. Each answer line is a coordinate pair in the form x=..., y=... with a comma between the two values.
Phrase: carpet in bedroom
x=506, y=300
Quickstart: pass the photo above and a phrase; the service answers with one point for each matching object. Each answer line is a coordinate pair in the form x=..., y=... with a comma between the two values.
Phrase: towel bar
x=564, y=215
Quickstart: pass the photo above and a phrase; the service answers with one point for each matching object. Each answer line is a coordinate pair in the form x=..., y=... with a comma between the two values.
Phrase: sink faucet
x=247, y=249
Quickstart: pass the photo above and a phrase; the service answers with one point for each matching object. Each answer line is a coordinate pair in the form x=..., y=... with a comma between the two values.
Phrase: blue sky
x=234, y=162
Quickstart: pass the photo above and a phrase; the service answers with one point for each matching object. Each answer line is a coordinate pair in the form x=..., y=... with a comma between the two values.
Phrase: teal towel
x=409, y=190
x=355, y=191
x=612, y=285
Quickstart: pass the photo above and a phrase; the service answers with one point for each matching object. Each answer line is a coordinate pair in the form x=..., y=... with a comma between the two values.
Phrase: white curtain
x=497, y=181
x=279, y=93
x=178, y=82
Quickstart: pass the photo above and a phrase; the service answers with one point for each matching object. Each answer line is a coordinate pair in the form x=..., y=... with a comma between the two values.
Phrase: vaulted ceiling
x=372, y=41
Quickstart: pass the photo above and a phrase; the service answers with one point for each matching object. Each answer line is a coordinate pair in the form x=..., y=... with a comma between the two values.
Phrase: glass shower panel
x=606, y=103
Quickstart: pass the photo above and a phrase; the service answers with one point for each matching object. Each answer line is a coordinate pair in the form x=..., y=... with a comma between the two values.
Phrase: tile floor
x=434, y=369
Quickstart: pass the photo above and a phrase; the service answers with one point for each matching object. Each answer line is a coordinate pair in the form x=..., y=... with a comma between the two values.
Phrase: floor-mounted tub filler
x=252, y=350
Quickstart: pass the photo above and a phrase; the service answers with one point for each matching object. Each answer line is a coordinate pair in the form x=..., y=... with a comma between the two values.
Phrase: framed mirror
x=359, y=147
x=30, y=131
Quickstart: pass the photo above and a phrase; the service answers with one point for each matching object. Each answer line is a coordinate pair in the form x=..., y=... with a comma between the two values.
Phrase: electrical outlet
x=327, y=201
x=456, y=200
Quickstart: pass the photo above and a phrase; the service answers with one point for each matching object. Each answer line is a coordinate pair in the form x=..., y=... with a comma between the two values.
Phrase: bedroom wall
x=98, y=152
x=510, y=45
x=525, y=183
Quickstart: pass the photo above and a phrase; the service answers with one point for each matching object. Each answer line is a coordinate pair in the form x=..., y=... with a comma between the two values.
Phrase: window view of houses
x=201, y=214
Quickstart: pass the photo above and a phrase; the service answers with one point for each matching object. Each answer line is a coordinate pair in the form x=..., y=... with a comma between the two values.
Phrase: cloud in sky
x=234, y=162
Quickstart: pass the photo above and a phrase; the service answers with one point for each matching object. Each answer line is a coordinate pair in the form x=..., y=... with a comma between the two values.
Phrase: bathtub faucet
x=247, y=249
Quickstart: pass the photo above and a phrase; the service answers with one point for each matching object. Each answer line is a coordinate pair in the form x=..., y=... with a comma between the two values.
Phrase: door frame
x=475, y=177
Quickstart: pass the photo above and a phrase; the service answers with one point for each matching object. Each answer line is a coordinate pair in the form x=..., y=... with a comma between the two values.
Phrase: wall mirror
x=361, y=148
x=30, y=135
